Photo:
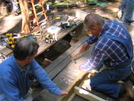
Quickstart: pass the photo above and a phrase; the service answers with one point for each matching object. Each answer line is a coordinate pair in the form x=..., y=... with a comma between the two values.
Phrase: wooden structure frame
x=66, y=74
x=76, y=89
x=25, y=14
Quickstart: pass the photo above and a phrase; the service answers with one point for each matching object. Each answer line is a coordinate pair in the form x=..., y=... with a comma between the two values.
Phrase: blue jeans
x=106, y=80
x=127, y=21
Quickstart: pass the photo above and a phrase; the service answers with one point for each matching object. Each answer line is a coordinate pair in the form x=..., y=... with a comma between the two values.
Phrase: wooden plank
x=71, y=97
x=87, y=95
x=70, y=88
x=56, y=66
x=25, y=16
x=6, y=51
x=78, y=80
x=75, y=89
x=43, y=45
x=84, y=94
x=69, y=73
x=65, y=78
x=62, y=34
x=78, y=98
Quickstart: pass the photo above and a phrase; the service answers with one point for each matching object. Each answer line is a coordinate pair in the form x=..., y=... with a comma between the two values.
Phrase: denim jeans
x=106, y=80
x=128, y=21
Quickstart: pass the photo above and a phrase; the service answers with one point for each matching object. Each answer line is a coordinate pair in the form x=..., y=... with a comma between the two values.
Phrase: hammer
x=73, y=58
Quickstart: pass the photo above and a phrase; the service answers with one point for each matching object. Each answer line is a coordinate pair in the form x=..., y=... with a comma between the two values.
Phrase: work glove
x=119, y=14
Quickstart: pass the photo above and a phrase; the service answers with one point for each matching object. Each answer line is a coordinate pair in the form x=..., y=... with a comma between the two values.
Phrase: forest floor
x=12, y=23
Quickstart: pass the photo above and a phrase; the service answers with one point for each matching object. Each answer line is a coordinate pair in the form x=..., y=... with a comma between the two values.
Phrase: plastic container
x=92, y=2
x=102, y=4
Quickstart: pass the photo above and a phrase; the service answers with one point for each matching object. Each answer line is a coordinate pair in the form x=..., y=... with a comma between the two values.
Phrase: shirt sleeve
x=97, y=56
x=43, y=78
x=93, y=61
x=92, y=39
x=123, y=4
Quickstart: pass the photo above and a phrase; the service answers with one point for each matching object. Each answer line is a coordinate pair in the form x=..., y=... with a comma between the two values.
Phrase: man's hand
x=119, y=14
x=63, y=93
x=81, y=69
x=84, y=48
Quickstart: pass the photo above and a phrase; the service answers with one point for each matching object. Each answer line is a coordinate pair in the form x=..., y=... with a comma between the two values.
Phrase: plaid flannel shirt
x=110, y=51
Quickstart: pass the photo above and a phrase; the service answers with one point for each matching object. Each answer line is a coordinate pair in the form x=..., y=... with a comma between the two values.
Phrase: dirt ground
x=12, y=24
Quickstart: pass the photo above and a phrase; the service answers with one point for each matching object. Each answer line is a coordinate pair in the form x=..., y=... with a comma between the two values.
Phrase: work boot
x=126, y=92
x=131, y=78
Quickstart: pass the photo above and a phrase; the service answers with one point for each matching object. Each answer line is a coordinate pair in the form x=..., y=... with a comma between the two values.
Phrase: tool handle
x=84, y=48
x=76, y=55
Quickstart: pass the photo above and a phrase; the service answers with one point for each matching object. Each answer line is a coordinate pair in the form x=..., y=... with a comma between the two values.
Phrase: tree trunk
x=25, y=16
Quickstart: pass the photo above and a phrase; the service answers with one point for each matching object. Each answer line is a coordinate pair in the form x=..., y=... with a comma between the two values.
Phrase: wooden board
x=87, y=95
x=63, y=71
x=76, y=89
x=6, y=51
x=62, y=34
x=62, y=61
x=76, y=82
x=66, y=74
x=43, y=45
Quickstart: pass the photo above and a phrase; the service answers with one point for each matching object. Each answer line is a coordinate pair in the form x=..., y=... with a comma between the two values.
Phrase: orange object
x=34, y=28
x=34, y=12
x=2, y=4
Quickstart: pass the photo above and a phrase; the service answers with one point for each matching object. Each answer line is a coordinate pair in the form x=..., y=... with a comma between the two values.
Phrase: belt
x=109, y=67
x=131, y=21
x=127, y=63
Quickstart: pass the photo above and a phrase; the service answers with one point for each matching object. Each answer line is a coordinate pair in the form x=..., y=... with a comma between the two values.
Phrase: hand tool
x=73, y=59
x=76, y=56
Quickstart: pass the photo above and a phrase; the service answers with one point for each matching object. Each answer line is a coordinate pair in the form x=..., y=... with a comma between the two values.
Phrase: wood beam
x=25, y=16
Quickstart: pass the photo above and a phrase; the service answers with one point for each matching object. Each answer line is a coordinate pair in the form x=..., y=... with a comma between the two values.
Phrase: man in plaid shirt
x=113, y=49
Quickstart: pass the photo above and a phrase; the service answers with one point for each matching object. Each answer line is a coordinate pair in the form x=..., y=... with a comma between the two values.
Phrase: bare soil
x=12, y=23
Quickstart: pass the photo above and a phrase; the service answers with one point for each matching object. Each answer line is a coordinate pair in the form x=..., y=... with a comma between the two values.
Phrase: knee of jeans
x=94, y=84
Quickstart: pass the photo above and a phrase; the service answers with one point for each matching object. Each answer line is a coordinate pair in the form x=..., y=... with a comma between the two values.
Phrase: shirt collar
x=104, y=27
x=16, y=65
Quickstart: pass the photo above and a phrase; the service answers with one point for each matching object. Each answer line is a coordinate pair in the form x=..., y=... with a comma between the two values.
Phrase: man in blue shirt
x=113, y=49
x=18, y=72
x=126, y=11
